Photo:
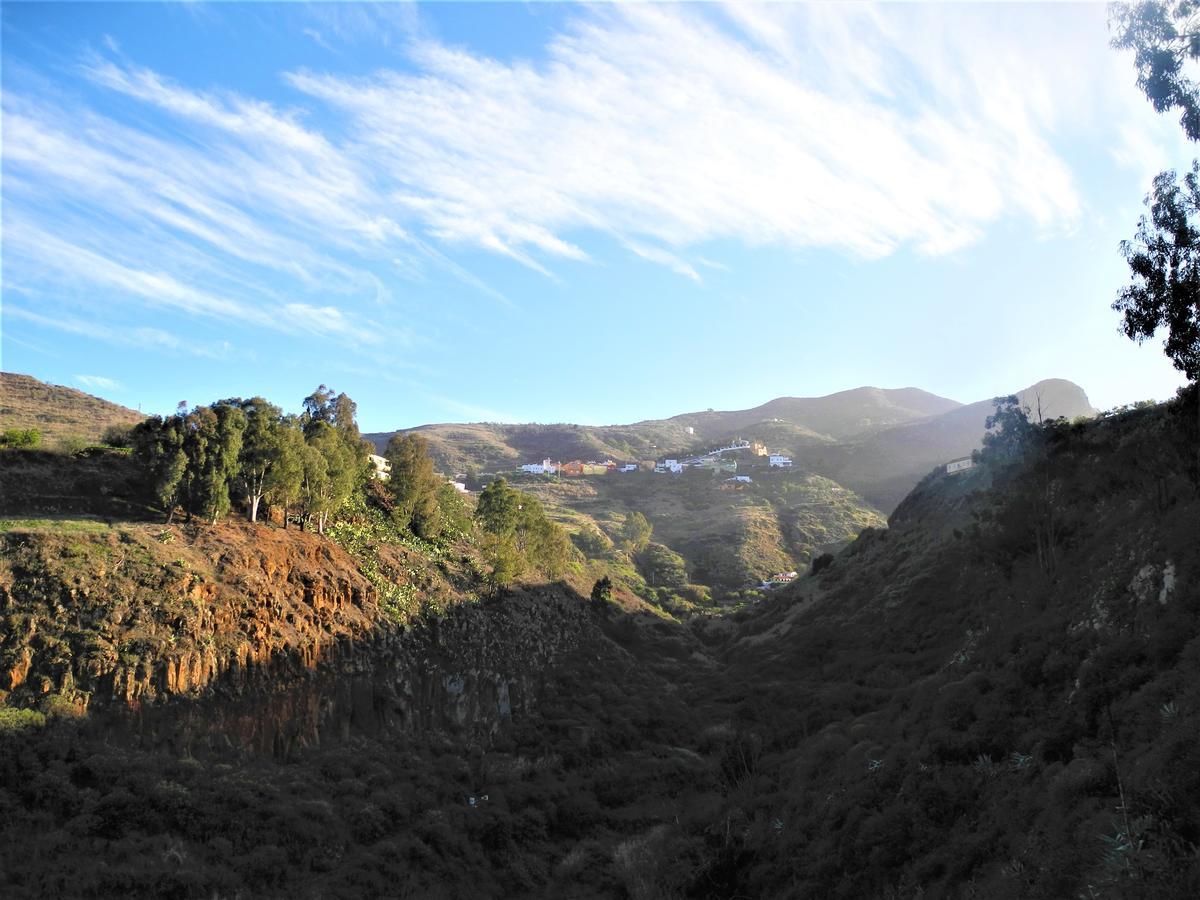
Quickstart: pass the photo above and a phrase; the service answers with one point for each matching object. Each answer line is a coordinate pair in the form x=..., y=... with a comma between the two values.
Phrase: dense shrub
x=20, y=438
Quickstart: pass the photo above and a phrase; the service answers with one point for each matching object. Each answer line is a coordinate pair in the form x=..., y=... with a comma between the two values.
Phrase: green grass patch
x=72, y=525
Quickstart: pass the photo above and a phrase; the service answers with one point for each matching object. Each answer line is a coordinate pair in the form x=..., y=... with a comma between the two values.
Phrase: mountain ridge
x=876, y=441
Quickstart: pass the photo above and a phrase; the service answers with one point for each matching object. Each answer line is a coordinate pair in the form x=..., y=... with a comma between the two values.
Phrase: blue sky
x=553, y=212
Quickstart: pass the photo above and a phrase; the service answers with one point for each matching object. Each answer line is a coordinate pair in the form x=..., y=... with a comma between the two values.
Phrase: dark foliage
x=940, y=713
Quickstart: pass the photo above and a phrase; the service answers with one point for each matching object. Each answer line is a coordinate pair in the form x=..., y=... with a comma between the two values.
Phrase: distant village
x=714, y=460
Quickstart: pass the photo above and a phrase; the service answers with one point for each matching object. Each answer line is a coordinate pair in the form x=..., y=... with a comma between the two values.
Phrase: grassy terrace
x=64, y=524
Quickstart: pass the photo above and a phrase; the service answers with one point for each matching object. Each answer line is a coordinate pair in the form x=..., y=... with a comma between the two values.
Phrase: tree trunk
x=254, y=507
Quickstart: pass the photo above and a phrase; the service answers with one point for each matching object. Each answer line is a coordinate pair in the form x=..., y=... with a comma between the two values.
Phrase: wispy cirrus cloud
x=661, y=130
x=98, y=382
x=140, y=337
x=670, y=129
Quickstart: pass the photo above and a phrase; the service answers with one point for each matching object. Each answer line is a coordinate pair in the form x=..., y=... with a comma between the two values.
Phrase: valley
x=855, y=454
x=964, y=692
x=418, y=632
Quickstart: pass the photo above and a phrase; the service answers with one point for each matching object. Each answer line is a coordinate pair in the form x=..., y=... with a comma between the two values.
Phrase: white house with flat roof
x=778, y=461
x=959, y=465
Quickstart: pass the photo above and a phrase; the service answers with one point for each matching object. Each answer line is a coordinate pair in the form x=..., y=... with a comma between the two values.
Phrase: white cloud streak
x=657, y=125
x=661, y=130
x=98, y=383
x=138, y=337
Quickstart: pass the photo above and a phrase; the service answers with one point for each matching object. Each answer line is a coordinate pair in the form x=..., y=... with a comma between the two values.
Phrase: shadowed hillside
x=997, y=690
x=994, y=696
x=884, y=466
x=838, y=416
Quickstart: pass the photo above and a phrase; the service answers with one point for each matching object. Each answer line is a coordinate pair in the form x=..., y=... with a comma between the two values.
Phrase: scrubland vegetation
x=996, y=691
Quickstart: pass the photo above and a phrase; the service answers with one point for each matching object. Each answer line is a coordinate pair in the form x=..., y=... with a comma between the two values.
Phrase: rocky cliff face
x=276, y=638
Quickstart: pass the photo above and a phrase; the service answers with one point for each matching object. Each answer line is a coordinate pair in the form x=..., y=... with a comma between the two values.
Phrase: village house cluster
x=778, y=579
x=715, y=460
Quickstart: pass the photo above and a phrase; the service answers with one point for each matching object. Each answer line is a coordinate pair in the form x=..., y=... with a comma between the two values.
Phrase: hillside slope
x=806, y=420
x=839, y=416
x=876, y=442
x=58, y=412
x=729, y=539
x=883, y=466
x=996, y=696
x=999, y=690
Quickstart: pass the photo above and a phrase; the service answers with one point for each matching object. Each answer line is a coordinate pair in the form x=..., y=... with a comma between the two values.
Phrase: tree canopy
x=414, y=485
x=1164, y=37
x=518, y=534
x=201, y=459
x=1164, y=255
x=637, y=531
x=1009, y=431
x=1164, y=263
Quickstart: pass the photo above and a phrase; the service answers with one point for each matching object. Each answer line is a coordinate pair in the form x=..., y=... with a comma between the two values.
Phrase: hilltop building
x=959, y=465
x=778, y=461
x=545, y=467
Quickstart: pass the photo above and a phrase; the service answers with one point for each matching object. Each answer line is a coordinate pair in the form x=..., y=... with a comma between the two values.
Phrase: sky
x=570, y=213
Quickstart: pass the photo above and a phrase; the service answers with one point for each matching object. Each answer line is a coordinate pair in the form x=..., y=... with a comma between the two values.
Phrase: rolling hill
x=876, y=442
x=857, y=454
x=58, y=412
x=790, y=422
x=883, y=466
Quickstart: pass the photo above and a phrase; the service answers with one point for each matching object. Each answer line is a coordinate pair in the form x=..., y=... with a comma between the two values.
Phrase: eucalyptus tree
x=158, y=446
x=285, y=479
x=413, y=485
x=331, y=471
x=262, y=450
x=212, y=444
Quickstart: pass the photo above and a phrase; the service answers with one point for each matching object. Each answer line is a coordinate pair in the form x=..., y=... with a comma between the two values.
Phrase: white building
x=740, y=479
x=777, y=461
x=628, y=467
x=674, y=466
x=383, y=468
x=545, y=467
x=959, y=465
